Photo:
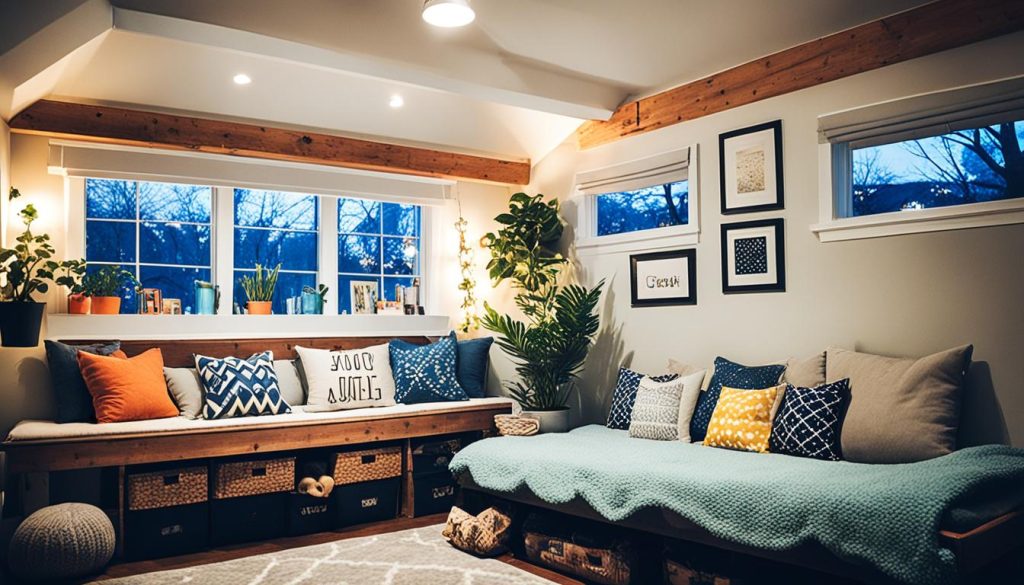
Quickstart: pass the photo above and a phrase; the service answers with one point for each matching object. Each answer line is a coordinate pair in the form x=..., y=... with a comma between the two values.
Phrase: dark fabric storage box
x=247, y=518
x=434, y=493
x=165, y=532
x=594, y=552
x=307, y=514
x=370, y=501
x=434, y=454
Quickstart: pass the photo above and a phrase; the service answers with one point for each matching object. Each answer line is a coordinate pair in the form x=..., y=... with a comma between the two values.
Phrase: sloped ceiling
x=515, y=83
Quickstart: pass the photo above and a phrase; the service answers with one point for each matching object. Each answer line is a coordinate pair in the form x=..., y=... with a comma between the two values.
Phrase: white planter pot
x=551, y=421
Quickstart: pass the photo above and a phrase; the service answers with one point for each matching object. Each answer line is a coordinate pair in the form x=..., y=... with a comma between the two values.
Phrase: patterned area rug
x=411, y=557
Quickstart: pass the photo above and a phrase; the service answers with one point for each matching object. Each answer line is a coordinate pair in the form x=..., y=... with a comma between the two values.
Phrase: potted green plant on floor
x=550, y=346
x=106, y=285
x=259, y=289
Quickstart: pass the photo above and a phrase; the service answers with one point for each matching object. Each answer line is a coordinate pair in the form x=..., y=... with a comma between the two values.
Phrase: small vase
x=106, y=305
x=79, y=304
x=312, y=304
x=551, y=421
x=205, y=300
x=20, y=323
x=259, y=307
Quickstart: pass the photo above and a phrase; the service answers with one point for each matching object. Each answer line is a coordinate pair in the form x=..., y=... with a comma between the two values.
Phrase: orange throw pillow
x=127, y=389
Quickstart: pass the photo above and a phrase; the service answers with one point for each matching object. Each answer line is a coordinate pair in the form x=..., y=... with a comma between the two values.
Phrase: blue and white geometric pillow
x=426, y=373
x=236, y=387
x=807, y=424
x=731, y=375
x=624, y=397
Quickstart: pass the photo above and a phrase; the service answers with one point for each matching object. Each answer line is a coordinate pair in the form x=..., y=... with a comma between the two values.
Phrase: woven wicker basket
x=368, y=465
x=520, y=426
x=164, y=489
x=253, y=478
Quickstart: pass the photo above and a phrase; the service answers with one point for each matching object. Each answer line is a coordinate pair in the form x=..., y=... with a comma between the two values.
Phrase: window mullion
x=224, y=247
x=328, y=249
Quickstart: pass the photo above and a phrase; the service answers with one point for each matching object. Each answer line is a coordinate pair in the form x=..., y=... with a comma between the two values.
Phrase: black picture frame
x=691, y=278
x=780, y=200
x=779, y=285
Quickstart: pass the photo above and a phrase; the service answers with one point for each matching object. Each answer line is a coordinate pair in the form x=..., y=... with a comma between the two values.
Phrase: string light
x=470, y=311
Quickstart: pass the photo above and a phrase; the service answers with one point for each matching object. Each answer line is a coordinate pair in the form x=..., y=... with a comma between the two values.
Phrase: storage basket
x=367, y=465
x=164, y=489
x=250, y=478
x=516, y=426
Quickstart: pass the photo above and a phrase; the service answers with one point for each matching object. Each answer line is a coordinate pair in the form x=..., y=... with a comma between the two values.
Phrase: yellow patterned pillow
x=743, y=419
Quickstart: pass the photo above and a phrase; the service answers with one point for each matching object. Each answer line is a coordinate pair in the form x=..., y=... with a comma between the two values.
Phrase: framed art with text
x=658, y=279
x=754, y=256
x=750, y=168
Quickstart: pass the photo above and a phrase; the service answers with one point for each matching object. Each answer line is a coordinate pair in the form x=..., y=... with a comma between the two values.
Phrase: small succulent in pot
x=259, y=289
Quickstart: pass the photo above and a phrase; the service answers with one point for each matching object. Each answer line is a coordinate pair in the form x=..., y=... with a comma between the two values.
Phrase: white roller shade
x=661, y=169
x=76, y=159
x=926, y=115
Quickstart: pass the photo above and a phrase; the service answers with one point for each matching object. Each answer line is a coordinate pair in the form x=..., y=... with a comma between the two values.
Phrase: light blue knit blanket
x=885, y=515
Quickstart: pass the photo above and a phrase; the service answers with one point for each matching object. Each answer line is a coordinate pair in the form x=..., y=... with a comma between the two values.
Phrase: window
x=377, y=242
x=967, y=166
x=160, y=231
x=643, y=209
x=274, y=228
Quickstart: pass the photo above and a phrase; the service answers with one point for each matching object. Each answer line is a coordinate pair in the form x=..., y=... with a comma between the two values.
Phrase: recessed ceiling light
x=242, y=79
x=448, y=13
x=396, y=101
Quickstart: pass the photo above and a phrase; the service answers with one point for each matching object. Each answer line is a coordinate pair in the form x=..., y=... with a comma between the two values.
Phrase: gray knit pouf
x=66, y=540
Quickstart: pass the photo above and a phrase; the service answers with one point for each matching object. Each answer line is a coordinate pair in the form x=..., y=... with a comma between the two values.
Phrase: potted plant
x=24, y=271
x=550, y=346
x=72, y=276
x=105, y=286
x=259, y=289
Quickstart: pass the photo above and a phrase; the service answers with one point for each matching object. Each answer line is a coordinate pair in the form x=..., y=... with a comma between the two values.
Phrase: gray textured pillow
x=290, y=382
x=805, y=373
x=901, y=410
x=656, y=410
x=186, y=390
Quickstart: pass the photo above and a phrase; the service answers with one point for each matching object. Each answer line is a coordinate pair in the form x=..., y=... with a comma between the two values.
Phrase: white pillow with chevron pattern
x=340, y=380
x=235, y=387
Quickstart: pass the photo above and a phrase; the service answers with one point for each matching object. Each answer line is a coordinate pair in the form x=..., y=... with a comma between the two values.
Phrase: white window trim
x=833, y=162
x=588, y=243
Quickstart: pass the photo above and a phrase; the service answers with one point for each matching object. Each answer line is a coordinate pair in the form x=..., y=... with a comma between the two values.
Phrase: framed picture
x=171, y=306
x=151, y=301
x=750, y=165
x=663, y=278
x=363, y=295
x=754, y=256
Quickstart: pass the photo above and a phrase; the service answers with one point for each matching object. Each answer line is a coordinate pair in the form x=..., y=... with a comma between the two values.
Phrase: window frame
x=589, y=243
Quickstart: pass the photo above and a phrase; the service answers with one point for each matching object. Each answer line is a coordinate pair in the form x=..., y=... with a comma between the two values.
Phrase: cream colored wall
x=5, y=177
x=903, y=295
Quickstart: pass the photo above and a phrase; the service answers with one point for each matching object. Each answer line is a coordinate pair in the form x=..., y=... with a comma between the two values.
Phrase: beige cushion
x=186, y=390
x=683, y=370
x=688, y=402
x=805, y=373
x=289, y=381
x=901, y=410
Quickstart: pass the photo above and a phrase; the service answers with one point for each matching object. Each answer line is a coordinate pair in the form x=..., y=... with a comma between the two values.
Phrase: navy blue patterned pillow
x=624, y=396
x=731, y=375
x=426, y=373
x=236, y=387
x=807, y=424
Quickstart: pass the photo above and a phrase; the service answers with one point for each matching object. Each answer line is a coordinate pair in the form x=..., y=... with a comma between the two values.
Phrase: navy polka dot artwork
x=751, y=255
x=730, y=375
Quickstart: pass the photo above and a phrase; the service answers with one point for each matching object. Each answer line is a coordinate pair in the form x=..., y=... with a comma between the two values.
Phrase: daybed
x=923, y=522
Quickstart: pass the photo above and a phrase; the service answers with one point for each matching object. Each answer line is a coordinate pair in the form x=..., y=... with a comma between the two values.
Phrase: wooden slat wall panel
x=935, y=27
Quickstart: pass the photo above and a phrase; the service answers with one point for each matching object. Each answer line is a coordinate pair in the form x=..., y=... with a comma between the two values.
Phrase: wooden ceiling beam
x=939, y=26
x=126, y=127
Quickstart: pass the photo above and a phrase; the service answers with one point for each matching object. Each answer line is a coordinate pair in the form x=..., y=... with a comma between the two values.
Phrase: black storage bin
x=165, y=532
x=247, y=518
x=434, y=454
x=434, y=493
x=370, y=501
x=308, y=514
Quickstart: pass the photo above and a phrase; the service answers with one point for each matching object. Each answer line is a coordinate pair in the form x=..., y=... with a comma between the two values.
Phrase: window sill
x=639, y=241
x=973, y=215
x=64, y=326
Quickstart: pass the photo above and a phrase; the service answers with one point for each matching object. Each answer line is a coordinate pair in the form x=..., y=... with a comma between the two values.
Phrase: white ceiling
x=514, y=83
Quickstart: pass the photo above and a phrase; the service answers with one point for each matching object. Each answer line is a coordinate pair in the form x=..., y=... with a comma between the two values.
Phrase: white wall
x=5, y=178
x=902, y=295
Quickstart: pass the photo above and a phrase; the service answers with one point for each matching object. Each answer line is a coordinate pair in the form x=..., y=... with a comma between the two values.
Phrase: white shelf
x=64, y=326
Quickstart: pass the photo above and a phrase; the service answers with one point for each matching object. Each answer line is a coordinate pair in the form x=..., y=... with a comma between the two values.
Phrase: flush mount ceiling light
x=396, y=101
x=448, y=13
x=242, y=79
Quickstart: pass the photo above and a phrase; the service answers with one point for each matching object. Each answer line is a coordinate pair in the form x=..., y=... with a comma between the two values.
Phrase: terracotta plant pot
x=79, y=304
x=20, y=322
x=106, y=305
x=259, y=307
